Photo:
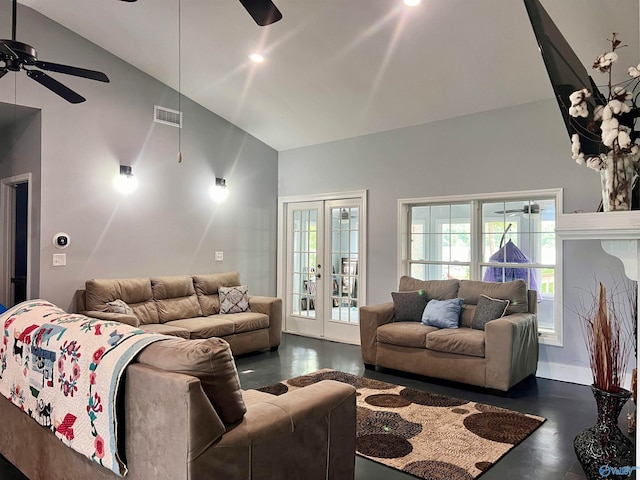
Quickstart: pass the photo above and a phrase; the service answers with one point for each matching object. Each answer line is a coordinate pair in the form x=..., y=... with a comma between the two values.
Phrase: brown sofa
x=187, y=307
x=184, y=417
x=498, y=357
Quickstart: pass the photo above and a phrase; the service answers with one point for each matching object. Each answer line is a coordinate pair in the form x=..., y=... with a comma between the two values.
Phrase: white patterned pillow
x=234, y=299
x=119, y=306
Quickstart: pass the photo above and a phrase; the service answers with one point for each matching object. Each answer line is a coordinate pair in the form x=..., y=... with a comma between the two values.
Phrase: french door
x=324, y=268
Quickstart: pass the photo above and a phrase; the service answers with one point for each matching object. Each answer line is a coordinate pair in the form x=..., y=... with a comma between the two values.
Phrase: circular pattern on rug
x=461, y=411
x=358, y=382
x=383, y=445
x=430, y=399
x=387, y=400
x=275, y=389
x=434, y=470
x=501, y=427
x=362, y=413
x=484, y=466
x=387, y=423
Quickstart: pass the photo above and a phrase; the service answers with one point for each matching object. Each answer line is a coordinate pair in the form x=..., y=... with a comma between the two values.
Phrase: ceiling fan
x=533, y=208
x=263, y=12
x=16, y=56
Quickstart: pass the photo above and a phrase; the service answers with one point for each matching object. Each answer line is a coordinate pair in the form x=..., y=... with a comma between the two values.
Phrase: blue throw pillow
x=2, y=308
x=443, y=313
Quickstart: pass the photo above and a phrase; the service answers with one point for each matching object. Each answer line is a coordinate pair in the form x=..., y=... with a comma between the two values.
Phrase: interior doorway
x=15, y=193
x=323, y=265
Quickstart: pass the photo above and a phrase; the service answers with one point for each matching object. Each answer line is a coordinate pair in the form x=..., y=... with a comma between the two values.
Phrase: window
x=495, y=238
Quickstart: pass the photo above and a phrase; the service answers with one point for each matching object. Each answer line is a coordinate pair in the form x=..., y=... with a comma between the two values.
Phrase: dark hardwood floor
x=545, y=455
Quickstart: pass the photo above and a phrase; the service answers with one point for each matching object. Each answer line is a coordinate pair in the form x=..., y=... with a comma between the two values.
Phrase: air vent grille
x=167, y=116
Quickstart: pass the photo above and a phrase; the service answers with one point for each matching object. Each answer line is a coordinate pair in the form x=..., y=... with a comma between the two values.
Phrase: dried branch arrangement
x=609, y=340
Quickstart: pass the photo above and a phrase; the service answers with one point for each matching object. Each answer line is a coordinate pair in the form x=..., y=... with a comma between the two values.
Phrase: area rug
x=427, y=435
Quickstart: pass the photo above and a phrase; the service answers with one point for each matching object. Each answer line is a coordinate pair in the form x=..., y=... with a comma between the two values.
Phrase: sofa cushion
x=515, y=292
x=165, y=329
x=209, y=360
x=462, y=341
x=205, y=327
x=175, y=298
x=408, y=306
x=206, y=287
x=488, y=309
x=136, y=292
x=246, y=321
x=443, y=313
x=404, y=334
x=438, y=289
x=234, y=299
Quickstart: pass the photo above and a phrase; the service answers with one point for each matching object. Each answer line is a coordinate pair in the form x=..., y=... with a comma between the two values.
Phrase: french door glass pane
x=304, y=261
x=344, y=236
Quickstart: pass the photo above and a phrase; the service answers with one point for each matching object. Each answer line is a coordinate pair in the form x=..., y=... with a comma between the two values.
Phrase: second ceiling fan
x=263, y=12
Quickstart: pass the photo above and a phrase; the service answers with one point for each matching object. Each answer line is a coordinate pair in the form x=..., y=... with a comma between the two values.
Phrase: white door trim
x=7, y=207
x=281, y=254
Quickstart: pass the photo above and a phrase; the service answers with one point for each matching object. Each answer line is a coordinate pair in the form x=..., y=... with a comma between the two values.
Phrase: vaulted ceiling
x=336, y=69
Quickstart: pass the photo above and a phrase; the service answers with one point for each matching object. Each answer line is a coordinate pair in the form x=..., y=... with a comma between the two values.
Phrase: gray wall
x=20, y=154
x=170, y=225
x=519, y=148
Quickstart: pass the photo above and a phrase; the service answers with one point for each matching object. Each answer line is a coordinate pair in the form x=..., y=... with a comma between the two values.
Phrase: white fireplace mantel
x=619, y=233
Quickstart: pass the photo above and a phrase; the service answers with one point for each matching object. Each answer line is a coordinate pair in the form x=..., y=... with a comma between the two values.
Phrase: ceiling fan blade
x=66, y=69
x=55, y=86
x=264, y=12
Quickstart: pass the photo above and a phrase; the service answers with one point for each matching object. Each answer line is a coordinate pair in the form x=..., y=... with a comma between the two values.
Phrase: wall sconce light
x=125, y=183
x=219, y=191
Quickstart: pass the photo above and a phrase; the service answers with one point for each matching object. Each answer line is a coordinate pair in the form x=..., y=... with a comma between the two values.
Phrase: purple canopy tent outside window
x=509, y=253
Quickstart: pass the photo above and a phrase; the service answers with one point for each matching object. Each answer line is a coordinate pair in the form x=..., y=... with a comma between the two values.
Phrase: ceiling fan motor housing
x=26, y=53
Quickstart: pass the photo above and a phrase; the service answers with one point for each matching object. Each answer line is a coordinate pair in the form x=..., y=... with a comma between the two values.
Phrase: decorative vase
x=603, y=448
x=617, y=182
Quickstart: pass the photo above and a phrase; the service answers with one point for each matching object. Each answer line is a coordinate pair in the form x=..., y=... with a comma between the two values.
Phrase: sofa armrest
x=372, y=317
x=511, y=349
x=169, y=422
x=113, y=317
x=307, y=433
x=271, y=306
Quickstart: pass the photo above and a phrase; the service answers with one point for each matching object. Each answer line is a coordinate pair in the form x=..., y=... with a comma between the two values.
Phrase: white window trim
x=545, y=337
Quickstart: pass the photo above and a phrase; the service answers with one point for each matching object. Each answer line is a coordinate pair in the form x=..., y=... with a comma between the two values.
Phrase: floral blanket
x=63, y=370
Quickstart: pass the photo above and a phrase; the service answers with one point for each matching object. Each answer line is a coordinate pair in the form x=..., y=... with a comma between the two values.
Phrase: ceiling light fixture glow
x=256, y=58
x=411, y=3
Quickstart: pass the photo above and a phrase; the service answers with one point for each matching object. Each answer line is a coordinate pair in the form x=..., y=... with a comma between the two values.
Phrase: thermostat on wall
x=61, y=240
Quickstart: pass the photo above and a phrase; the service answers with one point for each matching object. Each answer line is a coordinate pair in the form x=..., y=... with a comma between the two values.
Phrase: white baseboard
x=572, y=374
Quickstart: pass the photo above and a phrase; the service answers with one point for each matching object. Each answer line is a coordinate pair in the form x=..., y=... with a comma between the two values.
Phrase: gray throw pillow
x=408, y=306
x=488, y=309
x=443, y=313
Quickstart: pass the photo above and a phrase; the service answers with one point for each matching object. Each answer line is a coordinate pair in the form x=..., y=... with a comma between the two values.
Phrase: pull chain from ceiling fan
x=179, y=81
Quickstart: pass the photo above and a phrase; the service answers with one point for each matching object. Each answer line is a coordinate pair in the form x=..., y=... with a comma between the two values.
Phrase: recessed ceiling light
x=411, y=3
x=256, y=58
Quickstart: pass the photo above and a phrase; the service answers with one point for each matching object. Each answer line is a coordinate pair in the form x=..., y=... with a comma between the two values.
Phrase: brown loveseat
x=498, y=357
x=187, y=307
x=184, y=417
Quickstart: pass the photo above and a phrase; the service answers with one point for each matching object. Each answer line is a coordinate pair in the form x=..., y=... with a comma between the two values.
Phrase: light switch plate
x=59, y=259
x=219, y=256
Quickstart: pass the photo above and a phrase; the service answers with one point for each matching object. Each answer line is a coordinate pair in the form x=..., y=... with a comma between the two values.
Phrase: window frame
x=547, y=337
